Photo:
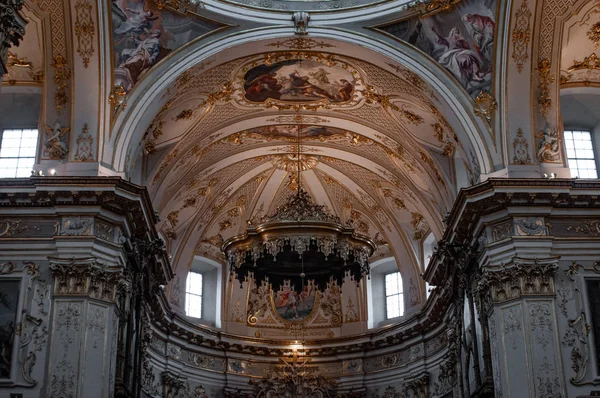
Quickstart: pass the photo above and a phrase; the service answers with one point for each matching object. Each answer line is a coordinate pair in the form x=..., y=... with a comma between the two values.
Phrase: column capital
x=88, y=277
x=522, y=277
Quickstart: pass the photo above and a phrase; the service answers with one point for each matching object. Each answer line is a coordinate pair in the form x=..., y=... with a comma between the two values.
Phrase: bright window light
x=580, y=153
x=17, y=153
x=193, y=295
x=394, y=299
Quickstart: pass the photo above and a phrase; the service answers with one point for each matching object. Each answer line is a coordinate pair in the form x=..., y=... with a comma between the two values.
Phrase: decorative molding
x=545, y=79
x=84, y=30
x=524, y=277
x=183, y=6
x=300, y=43
x=521, y=149
x=87, y=277
x=11, y=227
x=84, y=149
x=521, y=35
x=591, y=62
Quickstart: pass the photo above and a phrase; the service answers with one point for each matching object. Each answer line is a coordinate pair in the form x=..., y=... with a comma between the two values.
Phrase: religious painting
x=143, y=35
x=462, y=41
x=287, y=131
x=9, y=300
x=294, y=304
x=298, y=80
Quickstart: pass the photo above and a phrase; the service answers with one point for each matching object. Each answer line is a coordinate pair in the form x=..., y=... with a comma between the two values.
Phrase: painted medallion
x=294, y=304
x=298, y=81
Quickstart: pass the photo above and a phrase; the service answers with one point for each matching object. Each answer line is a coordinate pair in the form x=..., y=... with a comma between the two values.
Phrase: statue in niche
x=55, y=145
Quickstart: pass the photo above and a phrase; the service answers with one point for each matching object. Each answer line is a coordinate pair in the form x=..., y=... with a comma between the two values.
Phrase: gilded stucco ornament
x=84, y=30
x=485, y=105
x=545, y=79
x=117, y=97
x=591, y=62
x=521, y=35
x=300, y=43
x=62, y=74
x=594, y=34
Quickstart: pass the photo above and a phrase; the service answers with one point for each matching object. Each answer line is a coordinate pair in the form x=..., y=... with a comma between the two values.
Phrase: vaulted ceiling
x=375, y=147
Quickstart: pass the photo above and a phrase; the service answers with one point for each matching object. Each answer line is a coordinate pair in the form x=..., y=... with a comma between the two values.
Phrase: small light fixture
x=52, y=172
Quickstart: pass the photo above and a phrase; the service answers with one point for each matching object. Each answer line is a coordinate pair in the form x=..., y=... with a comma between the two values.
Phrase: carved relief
x=521, y=149
x=56, y=142
x=541, y=325
x=502, y=231
x=68, y=320
x=84, y=146
x=549, y=146
x=530, y=226
x=96, y=324
x=512, y=325
x=76, y=226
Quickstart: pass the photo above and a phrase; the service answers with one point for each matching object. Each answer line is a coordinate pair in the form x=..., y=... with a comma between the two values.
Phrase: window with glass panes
x=394, y=299
x=580, y=152
x=193, y=295
x=17, y=152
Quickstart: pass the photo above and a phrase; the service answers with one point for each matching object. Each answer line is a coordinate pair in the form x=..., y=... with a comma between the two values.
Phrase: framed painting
x=9, y=306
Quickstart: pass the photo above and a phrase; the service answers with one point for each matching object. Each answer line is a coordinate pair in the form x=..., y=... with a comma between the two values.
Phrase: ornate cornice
x=87, y=277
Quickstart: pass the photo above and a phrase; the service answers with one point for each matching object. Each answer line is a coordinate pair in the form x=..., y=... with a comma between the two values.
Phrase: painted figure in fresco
x=263, y=87
x=320, y=76
x=289, y=300
x=142, y=57
x=482, y=29
x=298, y=80
x=138, y=23
x=459, y=59
x=345, y=90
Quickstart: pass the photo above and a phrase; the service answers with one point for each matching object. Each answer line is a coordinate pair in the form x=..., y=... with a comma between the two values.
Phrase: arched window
x=193, y=295
x=394, y=298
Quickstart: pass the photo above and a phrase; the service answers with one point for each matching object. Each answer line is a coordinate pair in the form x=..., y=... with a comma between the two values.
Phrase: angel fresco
x=298, y=80
x=144, y=34
x=462, y=41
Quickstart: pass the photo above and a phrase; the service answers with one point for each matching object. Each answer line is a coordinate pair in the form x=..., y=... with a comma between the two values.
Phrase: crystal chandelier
x=300, y=243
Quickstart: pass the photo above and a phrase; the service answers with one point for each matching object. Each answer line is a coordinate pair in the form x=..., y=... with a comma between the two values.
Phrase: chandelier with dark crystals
x=299, y=243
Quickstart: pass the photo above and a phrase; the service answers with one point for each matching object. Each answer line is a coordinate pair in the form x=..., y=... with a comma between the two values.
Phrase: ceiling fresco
x=223, y=149
x=461, y=41
x=144, y=33
x=298, y=80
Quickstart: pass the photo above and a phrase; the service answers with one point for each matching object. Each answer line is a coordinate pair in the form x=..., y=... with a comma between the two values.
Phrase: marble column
x=85, y=322
x=525, y=346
